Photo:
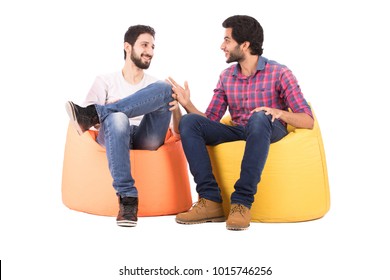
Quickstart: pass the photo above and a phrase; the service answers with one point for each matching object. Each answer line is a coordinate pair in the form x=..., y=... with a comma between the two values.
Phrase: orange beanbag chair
x=161, y=177
x=294, y=184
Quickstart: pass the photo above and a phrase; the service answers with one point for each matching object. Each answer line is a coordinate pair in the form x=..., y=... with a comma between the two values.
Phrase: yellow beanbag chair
x=294, y=184
x=161, y=177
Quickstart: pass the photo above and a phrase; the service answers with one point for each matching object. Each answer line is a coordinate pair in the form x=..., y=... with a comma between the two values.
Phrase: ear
x=245, y=45
x=127, y=47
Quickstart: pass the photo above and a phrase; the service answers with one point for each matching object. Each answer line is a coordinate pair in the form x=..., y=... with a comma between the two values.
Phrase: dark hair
x=134, y=31
x=246, y=28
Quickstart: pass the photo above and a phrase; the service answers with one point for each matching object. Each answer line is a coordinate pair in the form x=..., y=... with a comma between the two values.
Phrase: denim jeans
x=118, y=136
x=197, y=132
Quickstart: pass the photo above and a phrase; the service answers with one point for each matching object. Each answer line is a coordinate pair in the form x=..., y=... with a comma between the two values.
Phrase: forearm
x=176, y=117
x=298, y=120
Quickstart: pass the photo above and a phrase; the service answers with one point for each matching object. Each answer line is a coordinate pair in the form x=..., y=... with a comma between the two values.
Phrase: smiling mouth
x=147, y=57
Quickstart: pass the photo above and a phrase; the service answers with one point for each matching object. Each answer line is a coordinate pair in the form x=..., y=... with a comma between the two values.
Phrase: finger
x=173, y=82
x=258, y=109
x=173, y=107
x=255, y=110
x=113, y=101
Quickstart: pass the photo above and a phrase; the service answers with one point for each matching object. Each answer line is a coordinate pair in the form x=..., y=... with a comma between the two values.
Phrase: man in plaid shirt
x=258, y=94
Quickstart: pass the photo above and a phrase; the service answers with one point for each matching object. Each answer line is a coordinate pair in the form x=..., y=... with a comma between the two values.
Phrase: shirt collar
x=260, y=65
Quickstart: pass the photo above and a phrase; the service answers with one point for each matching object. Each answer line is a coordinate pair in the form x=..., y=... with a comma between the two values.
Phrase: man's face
x=143, y=50
x=232, y=49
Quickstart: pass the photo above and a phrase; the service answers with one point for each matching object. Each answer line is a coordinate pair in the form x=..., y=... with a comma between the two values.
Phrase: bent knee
x=118, y=121
x=163, y=87
x=188, y=121
x=260, y=117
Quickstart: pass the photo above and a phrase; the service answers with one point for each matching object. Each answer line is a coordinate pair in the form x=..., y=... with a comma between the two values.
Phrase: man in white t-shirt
x=131, y=110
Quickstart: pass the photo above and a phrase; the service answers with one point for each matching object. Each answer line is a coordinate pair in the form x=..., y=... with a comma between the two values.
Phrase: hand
x=182, y=94
x=174, y=104
x=275, y=113
x=112, y=101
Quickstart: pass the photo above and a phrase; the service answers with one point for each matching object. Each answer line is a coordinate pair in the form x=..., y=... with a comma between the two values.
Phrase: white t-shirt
x=110, y=87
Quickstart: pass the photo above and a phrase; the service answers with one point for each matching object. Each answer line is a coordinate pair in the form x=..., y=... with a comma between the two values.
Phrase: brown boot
x=239, y=217
x=201, y=212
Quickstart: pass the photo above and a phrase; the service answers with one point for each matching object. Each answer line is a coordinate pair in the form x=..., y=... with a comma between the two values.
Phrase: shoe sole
x=72, y=116
x=213, y=220
x=236, y=228
x=126, y=223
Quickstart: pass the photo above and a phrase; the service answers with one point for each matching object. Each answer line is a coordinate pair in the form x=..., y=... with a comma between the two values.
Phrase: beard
x=235, y=55
x=137, y=60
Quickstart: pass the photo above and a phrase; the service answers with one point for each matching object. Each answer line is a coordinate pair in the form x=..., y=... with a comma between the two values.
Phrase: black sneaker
x=128, y=209
x=82, y=117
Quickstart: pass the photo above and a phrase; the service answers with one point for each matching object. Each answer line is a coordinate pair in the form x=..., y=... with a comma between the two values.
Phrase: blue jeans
x=197, y=132
x=118, y=136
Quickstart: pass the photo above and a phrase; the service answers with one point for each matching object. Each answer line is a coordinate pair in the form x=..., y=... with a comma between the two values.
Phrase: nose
x=149, y=52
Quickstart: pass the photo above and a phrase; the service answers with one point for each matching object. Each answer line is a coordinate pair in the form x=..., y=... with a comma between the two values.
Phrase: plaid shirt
x=273, y=85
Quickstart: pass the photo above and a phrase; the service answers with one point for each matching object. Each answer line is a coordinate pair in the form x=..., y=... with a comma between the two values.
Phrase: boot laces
x=238, y=208
x=199, y=204
x=128, y=208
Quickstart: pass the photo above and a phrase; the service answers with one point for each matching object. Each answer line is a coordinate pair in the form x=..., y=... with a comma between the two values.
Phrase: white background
x=51, y=51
